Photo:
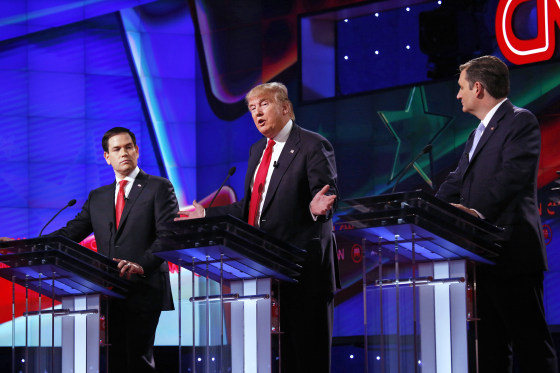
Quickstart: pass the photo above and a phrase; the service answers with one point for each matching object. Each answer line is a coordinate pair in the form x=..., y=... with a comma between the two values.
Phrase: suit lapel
x=139, y=184
x=491, y=128
x=108, y=202
x=291, y=148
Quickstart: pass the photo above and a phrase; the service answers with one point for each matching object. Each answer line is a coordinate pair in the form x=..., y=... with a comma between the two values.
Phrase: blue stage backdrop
x=176, y=72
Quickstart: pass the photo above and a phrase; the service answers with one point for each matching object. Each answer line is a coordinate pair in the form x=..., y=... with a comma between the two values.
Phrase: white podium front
x=237, y=324
x=417, y=275
x=61, y=338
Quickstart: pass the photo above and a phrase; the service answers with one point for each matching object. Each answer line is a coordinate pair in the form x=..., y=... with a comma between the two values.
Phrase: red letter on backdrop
x=519, y=51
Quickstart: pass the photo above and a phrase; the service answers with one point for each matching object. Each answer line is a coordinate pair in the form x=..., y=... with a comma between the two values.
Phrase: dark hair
x=277, y=91
x=489, y=71
x=113, y=132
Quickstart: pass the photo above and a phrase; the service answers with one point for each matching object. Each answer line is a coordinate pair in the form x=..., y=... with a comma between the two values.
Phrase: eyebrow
x=121, y=146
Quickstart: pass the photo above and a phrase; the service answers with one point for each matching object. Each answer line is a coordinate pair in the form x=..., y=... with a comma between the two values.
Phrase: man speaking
x=291, y=193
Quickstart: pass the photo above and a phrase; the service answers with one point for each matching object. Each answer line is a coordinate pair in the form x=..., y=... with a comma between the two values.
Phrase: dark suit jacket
x=151, y=203
x=305, y=166
x=500, y=182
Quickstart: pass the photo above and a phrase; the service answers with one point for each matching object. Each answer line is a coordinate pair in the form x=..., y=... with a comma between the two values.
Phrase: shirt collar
x=130, y=178
x=491, y=113
x=284, y=132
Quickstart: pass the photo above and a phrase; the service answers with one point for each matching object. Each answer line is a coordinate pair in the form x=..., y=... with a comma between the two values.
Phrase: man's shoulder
x=308, y=135
x=152, y=178
x=103, y=189
x=509, y=108
x=515, y=116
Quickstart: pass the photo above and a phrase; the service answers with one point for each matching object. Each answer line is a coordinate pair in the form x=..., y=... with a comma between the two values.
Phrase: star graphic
x=418, y=128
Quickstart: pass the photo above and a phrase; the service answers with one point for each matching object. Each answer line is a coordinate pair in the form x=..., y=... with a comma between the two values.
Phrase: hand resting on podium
x=473, y=212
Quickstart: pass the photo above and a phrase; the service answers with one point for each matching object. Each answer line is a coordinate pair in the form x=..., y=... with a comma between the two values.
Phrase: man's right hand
x=197, y=213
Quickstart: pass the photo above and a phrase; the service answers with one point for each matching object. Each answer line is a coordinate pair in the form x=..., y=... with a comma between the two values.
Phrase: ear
x=478, y=89
x=285, y=108
x=106, y=156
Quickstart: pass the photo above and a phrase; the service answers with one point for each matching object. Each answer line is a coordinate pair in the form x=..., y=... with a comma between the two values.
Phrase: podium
x=75, y=276
x=416, y=253
x=244, y=321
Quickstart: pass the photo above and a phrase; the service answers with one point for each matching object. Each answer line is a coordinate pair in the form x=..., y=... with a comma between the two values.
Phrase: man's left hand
x=128, y=268
x=465, y=209
x=321, y=203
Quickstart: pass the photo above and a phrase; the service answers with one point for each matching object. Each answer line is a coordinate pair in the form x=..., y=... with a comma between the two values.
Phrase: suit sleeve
x=321, y=170
x=234, y=209
x=450, y=189
x=165, y=210
x=78, y=228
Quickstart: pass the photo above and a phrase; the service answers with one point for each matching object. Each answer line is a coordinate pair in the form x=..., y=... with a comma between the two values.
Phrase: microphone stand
x=230, y=173
x=71, y=203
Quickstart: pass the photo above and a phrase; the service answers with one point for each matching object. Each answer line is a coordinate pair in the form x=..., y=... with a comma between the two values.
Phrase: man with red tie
x=291, y=193
x=128, y=218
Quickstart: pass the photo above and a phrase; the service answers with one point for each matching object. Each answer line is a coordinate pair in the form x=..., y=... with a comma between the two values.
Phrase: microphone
x=230, y=173
x=275, y=164
x=71, y=203
x=427, y=149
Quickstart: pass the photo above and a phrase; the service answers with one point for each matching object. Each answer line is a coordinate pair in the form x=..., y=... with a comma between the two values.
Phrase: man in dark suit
x=294, y=200
x=496, y=180
x=149, y=202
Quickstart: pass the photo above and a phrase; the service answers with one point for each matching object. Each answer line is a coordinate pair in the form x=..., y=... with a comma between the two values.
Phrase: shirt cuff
x=313, y=216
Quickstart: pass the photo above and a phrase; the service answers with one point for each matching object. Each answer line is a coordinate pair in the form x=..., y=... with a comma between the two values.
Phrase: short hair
x=113, y=132
x=489, y=71
x=276, y=90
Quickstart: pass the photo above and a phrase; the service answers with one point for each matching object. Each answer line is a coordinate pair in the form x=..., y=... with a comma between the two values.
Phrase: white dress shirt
x=128, y=187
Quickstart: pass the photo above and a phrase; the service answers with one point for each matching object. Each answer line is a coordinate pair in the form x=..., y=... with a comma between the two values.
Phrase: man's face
x=269, y=116
x=122, y=154
x=466, y=95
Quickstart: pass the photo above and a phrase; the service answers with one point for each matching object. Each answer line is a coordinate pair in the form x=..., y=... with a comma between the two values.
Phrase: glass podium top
x=59, y=266
x=229, y=248
x=439, y=230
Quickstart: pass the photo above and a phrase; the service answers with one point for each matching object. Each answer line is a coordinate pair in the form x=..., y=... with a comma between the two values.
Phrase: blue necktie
x=477, y=136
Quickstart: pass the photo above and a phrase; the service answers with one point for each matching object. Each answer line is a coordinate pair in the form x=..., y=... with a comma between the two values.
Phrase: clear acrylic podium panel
x=223, y=339
x=49, y=341
x=412, y=324
x=415, y=251
x=57, y=286
x=231, y=322
x=220, y=335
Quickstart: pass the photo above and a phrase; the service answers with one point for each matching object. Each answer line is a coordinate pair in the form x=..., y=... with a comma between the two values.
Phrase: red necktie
x=258, y=185
x=120, y=201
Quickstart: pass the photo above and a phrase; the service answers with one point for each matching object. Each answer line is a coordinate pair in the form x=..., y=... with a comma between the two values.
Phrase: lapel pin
x=292, y=151
x=139, y=185
x=491, y=128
